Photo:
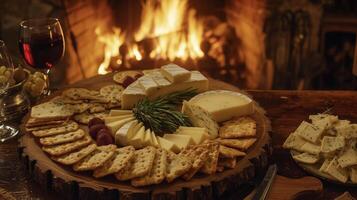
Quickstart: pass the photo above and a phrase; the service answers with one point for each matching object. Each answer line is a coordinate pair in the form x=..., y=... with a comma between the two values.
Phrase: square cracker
x=63, y=138
x=140, y=165
x=33, y=123
x=210, y=165
x=228, y=152
x=238, y=127
x=227, y=162
x=51, y=110
x=67, y=127
x=117, y=162
x=61, y=149
x=157, y=172
x=73, y=157
x=242, y=143
x=96, y=158
x=294, y=141
x=177, y=165
x=198, y=157
x=348, y=158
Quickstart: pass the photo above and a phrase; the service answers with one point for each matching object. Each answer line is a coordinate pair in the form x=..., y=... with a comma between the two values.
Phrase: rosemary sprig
x=160, y=115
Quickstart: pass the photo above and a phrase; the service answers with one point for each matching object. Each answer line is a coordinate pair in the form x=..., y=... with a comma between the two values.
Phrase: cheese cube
x=114, y=126
x=182, y=141
x=119, y=112
x=148, y=138
x=175, y=73
x=330, y=144
x=348, y=158
x=168, y=145
x=309, y=132
x=336, y=171
x=138, y=136
x=131, y=95
x=224, y=105
x=125, y=133
x=148, y=85
x=111, y=119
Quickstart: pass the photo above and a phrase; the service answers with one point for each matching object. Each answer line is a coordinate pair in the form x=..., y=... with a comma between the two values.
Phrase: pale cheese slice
x=148, y=84
x=132, y=95
x=175, y=73
x=137, y=141
x=168, y=145
x=155, y=142
x=223, y=105
x=309, y=132
x=115, y=126
x=119, y=112
x=148, y=138
x=182, y=141
x=331, y=144
x=348, y=158
x=111, y=119
x=198, y=137
x=336, y=171
x=123, y=135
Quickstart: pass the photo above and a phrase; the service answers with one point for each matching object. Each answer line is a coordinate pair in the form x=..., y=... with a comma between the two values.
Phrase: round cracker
x=120, y=76
x=113, y=92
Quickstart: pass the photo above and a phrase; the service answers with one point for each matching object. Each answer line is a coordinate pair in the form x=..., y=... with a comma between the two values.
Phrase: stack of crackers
x=327, y=143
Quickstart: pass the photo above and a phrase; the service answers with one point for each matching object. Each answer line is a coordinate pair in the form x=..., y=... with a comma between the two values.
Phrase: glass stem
x=47, y=79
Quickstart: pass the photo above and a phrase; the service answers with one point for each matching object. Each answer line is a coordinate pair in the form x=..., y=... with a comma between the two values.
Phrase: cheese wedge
x=123, y=135
x=182, y=141
x=111, y=119
x=224, y=105
x=168, y=145
x=198, y=136
x=155, y=142
x=132, y=95
x=119, y=112
x=148, y=138
x=115, y=126
x=175, y=73
x=137, y=141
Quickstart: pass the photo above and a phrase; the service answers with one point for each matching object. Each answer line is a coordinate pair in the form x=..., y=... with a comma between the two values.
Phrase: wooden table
x=286, y=109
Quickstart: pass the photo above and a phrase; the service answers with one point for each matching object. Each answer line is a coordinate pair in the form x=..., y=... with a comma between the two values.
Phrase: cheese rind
x=224, y=105
x=182, y=141
x=168, y=145
x=114, y=126
x=175, y=73
x=111, y=119
x=113, y=112
x=132, y=95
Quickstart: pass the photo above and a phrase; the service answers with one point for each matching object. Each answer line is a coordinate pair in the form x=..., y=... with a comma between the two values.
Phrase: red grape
x=95, y=121
x=127, y=81
x=94, y=129
x=104, y=138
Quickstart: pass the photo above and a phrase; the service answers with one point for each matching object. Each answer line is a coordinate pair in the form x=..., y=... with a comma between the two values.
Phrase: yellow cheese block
x=114, y=126
x=175, y=73
x=197, y=136
x=125, y=133
x=167, y=145
x=138, y=136
x=119, y=112
x=223, y=104
x=182, y=141
x=111, y=119
x=148, y=138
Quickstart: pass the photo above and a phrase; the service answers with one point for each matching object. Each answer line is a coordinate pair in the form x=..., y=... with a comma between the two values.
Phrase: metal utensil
x=264, y=186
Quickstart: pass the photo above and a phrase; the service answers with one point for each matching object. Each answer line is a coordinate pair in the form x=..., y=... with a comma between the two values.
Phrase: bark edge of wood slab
x=63, y=180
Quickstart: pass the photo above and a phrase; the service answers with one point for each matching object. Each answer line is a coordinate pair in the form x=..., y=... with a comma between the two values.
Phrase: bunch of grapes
x=36, y=84
x=5, y=75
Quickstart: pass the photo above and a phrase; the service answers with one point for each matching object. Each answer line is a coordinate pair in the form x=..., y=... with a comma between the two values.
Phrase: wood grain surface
x=286, y=109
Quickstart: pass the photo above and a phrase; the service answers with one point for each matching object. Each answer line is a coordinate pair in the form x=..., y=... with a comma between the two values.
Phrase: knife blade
x=264, y=186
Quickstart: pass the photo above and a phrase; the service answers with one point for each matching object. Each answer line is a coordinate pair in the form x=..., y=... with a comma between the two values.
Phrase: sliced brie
x=138, y=136
x=175, y=73
x=167, y=145
x=182, y=141
x=114, y=126
x=123, y=135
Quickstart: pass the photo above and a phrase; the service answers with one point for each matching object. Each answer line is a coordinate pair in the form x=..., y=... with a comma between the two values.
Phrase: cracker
x=336, y=171
x=238, y=127
x=353, y=174
x=157, y=172
x=309, y=132
x=51, y=110
x=60, y=149
x=113, y=92
x=227, y=162
x=306, y=158
x=63, y=138
x=36, y=128
x=120, y=77
x=96, y=158
x=210, y=165
x=331, y=144
x=348, y=158
x=85, y=117
x=311, y=148
x=228, y=152
x=32, y=122
x=139, y=166
x=294, y=141
x=241, y=143
x=68, y=127
x=97, y=108
x=117, y=162
x=65, y=100
x=81, y=94
x=198, y=156
x=73, y=157
x=177, y=165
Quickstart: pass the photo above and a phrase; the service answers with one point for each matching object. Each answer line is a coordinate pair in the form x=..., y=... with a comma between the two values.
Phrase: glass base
x=7, y=132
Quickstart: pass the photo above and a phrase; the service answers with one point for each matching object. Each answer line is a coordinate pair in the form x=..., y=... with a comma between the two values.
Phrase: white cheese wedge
x=131, y=95
x=138, y=136
x=198, y=134
x=148, y=138
x=331, y=144
x=182, y=141
x=309, y=132
x=336, y=171
x=119, y=112
x=123, y=135
x=175, y=73
x=224, y=105
x=201, y=118
x=348, y=158
x=155, y=141
x=168, y=145
x=111, y=119
x=115, y=126
x=135, y=92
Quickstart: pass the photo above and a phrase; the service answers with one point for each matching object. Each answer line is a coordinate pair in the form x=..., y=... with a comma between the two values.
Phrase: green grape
x=7, y=73
x=38, y=75
x=38, y=80
x=2, y=70
x=3, y=79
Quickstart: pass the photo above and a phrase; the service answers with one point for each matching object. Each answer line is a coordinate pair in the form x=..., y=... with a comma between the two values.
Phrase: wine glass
x=6, y=73
x=41, y=43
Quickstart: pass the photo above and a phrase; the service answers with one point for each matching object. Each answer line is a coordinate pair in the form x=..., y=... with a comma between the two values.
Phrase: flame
x=173, y=28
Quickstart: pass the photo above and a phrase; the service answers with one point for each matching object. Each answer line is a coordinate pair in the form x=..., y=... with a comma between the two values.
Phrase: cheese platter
x=214, y=135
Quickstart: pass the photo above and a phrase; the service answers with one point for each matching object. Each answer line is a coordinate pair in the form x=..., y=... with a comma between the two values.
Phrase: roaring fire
x=173, y=29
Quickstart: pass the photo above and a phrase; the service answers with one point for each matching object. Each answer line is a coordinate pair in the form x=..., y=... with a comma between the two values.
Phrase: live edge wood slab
x=74, y=185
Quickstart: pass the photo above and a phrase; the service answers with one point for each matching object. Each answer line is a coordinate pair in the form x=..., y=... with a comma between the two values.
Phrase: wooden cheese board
x=75, y=185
